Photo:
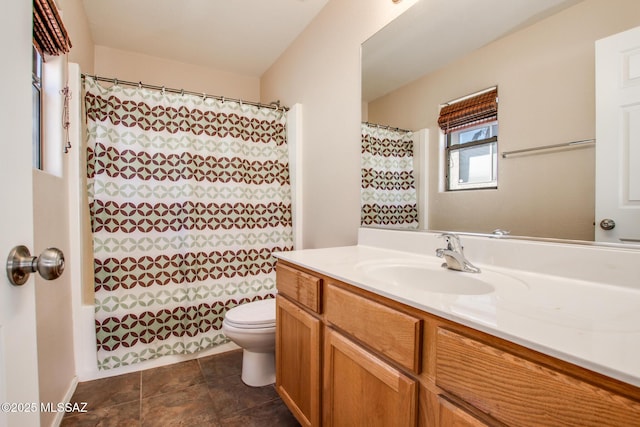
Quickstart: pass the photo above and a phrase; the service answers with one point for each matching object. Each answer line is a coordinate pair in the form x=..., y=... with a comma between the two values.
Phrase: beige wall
x=75, y=21
x=83, y=54
x=136, y=67
x=56, y=363
x=56, y=366
x=321, y=70
x=545, y=78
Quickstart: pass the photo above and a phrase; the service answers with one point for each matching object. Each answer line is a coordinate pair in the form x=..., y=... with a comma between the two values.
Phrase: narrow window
x=50, y=38
x=470, y=127
x=36, y=81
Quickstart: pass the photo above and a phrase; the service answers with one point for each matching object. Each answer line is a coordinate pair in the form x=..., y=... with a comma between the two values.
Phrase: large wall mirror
x=540, y=54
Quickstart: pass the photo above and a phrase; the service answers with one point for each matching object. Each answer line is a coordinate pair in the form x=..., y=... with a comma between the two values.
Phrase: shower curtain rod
x=387, y=127
x=115, y=81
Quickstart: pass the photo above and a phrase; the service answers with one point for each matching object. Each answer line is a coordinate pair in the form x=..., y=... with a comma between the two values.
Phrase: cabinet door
x=298, y=361
x=450, y=415
x=363, y=390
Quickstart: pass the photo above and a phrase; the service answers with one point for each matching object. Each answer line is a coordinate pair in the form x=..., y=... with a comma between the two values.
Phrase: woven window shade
x=49, y=34
x=471, y=111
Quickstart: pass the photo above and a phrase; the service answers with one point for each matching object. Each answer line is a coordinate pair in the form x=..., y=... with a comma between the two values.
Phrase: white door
x=618, y=138
x=18, y=357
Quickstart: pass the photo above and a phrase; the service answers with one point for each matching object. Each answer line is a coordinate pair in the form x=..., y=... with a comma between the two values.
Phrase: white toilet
x=252, y=326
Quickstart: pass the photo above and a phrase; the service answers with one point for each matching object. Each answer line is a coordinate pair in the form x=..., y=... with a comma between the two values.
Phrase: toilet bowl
x=252, y=326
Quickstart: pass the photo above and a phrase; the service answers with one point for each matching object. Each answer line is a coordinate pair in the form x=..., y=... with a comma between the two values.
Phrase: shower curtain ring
x=163, y=92
x=139, y=85
x=115, y=82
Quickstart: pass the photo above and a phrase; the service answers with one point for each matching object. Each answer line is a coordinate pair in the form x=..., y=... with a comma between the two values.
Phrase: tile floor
x=202, y=392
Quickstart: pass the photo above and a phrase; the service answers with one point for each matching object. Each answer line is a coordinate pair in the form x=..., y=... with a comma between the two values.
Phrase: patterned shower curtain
x=388, y=190
x=189, y=197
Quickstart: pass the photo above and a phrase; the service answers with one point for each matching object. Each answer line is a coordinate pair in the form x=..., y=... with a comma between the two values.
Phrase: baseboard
x=67, y=398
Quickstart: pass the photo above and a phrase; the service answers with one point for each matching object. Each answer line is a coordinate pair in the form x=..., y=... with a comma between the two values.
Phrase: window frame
x=37, y=71
x=450, y=148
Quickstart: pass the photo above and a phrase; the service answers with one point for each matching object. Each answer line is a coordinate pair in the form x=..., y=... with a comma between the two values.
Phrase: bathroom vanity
x=355, y=347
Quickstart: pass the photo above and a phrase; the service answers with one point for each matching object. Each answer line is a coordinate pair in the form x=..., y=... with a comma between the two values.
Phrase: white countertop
x=593, y=325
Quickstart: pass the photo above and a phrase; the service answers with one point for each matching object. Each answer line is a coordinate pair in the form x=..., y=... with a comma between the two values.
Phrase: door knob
x=20, y=264
x=607, y=224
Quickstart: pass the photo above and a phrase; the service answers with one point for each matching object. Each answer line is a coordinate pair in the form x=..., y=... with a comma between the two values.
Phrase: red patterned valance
x=49, y=34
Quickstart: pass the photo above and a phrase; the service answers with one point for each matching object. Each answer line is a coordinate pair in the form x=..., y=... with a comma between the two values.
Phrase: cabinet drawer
x=299, y=286
x=517, y=391
x=392, y=333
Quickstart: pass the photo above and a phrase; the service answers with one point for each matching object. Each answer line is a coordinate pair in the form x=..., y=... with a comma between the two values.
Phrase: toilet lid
x=260, y=313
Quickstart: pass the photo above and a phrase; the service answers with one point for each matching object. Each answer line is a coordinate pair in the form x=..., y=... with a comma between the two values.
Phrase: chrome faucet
x=453, y=255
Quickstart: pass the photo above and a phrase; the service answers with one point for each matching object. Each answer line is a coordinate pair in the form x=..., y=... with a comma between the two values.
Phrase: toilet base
x=258, y=369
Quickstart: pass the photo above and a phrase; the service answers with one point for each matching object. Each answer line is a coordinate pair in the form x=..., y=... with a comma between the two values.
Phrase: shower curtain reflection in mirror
x=189, y=196
x=388, y=191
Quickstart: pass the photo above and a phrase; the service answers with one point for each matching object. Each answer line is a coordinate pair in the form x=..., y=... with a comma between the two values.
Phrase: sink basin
x=431, y=277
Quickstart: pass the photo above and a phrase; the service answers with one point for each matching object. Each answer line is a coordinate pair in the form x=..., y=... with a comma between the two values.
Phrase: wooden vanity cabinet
x=348, y=357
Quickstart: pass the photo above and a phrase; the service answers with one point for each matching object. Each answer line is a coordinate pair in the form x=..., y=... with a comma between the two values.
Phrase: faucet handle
x=453, y=241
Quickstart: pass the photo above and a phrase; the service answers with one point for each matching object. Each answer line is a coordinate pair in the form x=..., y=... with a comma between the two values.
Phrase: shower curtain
x=189, y=197
x=388, y=193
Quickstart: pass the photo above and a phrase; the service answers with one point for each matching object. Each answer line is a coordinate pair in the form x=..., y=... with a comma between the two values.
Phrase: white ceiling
x=238, y=36
x=433, y=33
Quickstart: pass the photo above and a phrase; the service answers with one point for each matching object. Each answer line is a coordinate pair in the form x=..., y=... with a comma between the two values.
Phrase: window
x=49, y=38
x=36, y=81
x=472, y=157
x=470, y=127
